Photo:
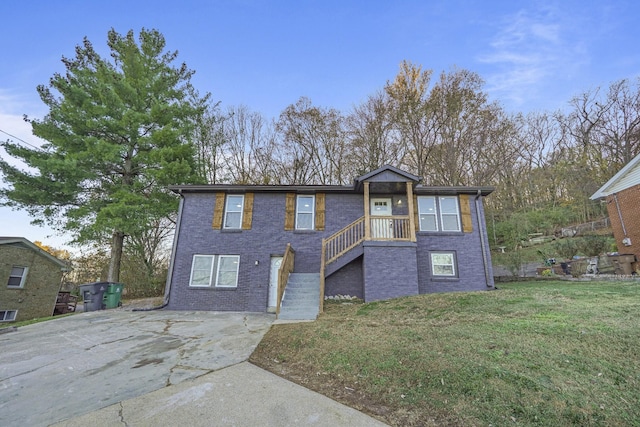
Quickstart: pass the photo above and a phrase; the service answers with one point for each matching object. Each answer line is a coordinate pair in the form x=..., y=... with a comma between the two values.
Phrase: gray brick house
x=29, y=280
x=285, y=248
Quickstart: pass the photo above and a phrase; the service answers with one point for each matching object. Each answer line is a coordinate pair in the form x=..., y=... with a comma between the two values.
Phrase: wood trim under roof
x=312, y=189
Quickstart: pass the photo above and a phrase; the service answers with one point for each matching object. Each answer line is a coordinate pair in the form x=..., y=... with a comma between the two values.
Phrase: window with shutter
x=218, y=211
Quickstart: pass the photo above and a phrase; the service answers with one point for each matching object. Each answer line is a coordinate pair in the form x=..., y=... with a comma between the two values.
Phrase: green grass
x=542, y=353
x=32, y=321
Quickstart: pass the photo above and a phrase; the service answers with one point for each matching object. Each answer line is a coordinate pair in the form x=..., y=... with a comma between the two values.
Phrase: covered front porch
x=387, y=228
x=389, y=213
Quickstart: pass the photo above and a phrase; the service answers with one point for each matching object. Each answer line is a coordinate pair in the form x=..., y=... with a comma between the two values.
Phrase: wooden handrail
x=286, y=268
x=394, y=227
x=343, y=240
x=391, y=227
x=323, y=256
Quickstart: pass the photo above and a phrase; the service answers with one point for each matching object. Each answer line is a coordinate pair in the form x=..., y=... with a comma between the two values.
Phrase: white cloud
x=530, y=50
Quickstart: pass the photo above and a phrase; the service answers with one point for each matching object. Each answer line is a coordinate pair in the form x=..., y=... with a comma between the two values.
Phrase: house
x=385, y=236
x=30, y=279
x=622, y=195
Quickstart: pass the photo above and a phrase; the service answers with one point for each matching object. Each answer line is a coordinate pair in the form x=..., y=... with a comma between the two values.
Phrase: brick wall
x=267, y=237
x=468, y=251
x=346, y=281
x=629, y=205
x=390, y=270
x=37, y=297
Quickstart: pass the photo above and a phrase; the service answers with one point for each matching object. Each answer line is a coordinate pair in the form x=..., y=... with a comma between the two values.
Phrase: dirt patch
x=142, y=303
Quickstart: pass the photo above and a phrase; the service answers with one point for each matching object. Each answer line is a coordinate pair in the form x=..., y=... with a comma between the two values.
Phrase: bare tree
x=247, y=144
x=313, y=138
x=373, y=139
x=209, y=140
x=412, y=114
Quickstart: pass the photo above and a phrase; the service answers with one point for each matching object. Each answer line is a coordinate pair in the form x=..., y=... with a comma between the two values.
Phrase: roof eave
x=604, y=190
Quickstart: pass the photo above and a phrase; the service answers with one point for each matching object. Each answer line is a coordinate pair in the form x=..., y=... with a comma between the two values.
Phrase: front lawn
x=540, y=353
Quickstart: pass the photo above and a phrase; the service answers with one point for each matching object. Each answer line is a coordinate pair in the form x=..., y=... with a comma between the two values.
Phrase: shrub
x=513, y=262
x=593, y=245
x=566, y=248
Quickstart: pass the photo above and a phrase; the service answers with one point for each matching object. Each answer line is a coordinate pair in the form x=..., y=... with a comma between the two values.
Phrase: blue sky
x=533, y=55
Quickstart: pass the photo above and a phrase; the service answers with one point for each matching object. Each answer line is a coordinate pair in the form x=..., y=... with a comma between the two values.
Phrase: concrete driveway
x=153, y=368
x=66, y=367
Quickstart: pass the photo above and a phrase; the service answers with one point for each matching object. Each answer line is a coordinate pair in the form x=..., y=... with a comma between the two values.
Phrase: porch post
x=412, y=217
x=367, y=221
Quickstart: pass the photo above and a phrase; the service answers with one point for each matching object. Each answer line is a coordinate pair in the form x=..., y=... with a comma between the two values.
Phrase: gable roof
x=627, y=177
x=387, y=173
x=24, y=243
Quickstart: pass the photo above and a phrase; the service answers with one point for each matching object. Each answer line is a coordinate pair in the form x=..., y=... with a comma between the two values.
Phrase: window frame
x=4, y=314
x=218, y=269
x=439, y=215
x=453, y=264
x=434, y=214
x=193, y=263
x=227, y=211
x=23, y=277
x=214, y=271
x=312, y=213
x=457, y=213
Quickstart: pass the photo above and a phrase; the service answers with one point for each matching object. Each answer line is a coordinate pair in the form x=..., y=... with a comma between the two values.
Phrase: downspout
x=167, y=287
x=482, y=241
x=624, y=229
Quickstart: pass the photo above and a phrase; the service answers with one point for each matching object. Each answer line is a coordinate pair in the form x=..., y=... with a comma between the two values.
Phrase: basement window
x=8, y=315
x=443, y=264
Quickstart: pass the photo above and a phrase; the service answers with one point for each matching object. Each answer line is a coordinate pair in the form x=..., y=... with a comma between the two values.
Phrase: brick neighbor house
x=622, y=195
x=29, y=280
x=285, y=248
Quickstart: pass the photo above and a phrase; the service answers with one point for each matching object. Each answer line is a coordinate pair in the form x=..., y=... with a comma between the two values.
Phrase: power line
x=22, y=140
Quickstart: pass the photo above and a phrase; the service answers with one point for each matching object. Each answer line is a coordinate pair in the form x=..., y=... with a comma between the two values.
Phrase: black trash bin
x=92, y=295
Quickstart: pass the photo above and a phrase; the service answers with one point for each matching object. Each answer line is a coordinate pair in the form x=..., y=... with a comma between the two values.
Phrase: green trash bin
x=112, y=296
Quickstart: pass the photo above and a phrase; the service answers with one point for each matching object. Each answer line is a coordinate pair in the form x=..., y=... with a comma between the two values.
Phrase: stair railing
x=339, y=243
x=342, y=241
x=286, y=268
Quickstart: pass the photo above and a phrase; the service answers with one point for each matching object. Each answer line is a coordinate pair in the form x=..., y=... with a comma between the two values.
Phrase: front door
x=276, y=262
x=381, y=228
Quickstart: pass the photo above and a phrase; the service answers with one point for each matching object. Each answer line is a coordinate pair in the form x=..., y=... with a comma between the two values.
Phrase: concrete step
x=301, y=297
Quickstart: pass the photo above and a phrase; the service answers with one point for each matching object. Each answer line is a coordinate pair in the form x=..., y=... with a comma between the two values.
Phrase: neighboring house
x=29, y=280
x=622, y=195
x=384, y=237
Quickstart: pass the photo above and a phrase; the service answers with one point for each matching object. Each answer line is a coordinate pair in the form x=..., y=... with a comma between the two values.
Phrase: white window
x=449, y=214
x=201, y=269
x=227, y=276
x=8, y=315
x=305, y=212
x=439, y=213
x=427, y=213
x=225, y=266
x=17, y=277
x=233, y=211
x=443, y=264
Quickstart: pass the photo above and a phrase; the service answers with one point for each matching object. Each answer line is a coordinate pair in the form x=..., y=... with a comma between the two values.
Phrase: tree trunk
x=116, y=256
